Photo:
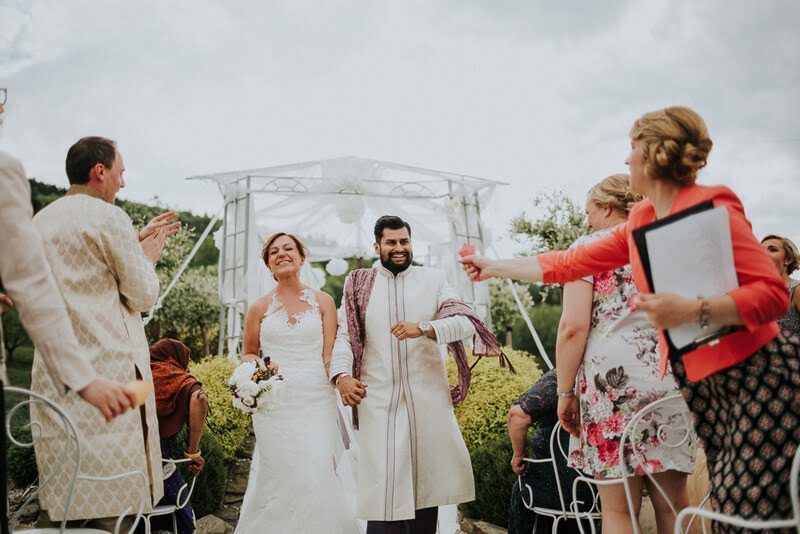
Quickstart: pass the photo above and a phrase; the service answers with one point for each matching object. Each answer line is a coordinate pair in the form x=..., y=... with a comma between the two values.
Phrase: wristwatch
x=425, y=327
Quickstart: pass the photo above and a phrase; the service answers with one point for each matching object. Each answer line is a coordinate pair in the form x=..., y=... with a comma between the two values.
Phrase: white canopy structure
x=332, y=205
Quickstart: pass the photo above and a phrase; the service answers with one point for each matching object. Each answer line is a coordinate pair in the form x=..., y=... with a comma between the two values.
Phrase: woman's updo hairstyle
x=301, y=248
x=675, y=144
x=615, y=192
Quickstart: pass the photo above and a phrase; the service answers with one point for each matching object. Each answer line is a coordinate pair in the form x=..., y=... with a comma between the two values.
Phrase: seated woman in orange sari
x=180, y=400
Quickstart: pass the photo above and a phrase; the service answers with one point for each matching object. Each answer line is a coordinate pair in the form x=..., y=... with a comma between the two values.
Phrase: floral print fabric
x=619, y=377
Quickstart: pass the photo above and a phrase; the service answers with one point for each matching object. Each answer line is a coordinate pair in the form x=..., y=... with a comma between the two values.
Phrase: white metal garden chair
x=671, y=420
x=793, y=522
x=570, y=505
x=181, y=500
x=72, y=448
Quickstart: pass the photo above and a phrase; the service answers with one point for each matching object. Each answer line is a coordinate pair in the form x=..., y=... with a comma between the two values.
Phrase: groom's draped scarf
x=169, y=362
x=356, y=298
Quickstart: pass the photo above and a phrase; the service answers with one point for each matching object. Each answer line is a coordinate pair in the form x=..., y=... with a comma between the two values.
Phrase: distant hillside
x=43, y=194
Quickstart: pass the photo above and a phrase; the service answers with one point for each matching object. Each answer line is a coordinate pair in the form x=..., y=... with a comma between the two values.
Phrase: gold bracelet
x=192, y=455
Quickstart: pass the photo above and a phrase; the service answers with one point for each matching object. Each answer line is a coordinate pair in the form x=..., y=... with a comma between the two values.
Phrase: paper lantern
x=350, y=208
x=336, y=267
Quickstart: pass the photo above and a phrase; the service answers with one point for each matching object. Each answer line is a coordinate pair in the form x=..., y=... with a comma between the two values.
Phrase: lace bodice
x=294, y=343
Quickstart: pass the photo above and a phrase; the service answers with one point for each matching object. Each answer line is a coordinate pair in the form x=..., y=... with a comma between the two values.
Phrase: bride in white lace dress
x=295, y=488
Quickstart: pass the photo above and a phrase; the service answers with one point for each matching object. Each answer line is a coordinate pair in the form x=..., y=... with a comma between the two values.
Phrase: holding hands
x=351, y=390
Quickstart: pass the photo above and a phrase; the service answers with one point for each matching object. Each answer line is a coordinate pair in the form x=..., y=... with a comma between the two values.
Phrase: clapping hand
x=161, y=221
x=153, y=244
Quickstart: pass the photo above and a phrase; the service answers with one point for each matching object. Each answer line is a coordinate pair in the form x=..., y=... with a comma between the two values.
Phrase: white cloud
x=538, y=94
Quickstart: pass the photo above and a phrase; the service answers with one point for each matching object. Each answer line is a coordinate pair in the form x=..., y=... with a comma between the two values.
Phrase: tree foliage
x=505, y=311
x=561, y=222
x=191, y=310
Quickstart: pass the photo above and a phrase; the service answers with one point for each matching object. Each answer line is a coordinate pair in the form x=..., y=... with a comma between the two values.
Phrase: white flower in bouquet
x=252, y=388
x=248, y=388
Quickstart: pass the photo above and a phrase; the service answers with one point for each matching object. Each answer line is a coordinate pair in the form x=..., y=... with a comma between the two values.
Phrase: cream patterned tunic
x=106, y=281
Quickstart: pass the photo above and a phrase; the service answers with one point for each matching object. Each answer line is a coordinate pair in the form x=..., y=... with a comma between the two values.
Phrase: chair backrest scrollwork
x=18, y=423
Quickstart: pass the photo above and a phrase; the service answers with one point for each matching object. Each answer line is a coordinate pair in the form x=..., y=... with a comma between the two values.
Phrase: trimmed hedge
x=228, y=424
x=493, y=481
x=483, y=416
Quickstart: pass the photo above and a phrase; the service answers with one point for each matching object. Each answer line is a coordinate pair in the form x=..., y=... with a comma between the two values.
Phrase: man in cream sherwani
x=106, y=274
x=26, y=277
x=412, y=457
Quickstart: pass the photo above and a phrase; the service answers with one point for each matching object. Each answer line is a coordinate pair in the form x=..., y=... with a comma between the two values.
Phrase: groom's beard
x=396, y=268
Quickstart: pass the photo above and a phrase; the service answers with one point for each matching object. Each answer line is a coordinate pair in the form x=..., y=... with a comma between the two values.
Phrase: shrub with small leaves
x=483, y=415
x=483, y=419
x=493, y=479
x=229, y=425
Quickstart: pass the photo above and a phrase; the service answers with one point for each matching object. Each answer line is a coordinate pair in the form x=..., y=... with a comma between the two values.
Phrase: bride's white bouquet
x=253, y=389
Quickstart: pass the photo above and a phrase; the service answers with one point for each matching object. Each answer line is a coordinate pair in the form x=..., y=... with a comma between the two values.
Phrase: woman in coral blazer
x=744, y=392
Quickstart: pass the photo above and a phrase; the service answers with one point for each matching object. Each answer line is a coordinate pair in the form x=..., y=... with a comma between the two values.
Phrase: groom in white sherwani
x=387, y=364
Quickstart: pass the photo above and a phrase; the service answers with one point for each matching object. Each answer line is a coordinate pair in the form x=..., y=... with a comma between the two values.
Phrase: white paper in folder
x=693, y=257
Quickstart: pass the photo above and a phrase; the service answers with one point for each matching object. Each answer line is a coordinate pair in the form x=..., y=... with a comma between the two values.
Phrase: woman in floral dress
x=610, y=352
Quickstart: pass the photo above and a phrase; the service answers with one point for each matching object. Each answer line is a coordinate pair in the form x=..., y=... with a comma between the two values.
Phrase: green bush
x=493, y=479
x=483, y=416
x=228, y=424
x=21, y=460
x=545, y=319
x=209, y=490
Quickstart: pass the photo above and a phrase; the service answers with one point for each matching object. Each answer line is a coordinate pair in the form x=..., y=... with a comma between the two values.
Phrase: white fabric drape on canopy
x=332, y=206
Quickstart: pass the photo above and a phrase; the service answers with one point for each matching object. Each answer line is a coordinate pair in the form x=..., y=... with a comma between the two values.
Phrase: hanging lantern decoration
x=350, y=208
x=337, y=267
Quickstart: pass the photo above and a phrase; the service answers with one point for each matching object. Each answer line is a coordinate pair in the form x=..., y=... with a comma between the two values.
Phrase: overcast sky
x=538, y=94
